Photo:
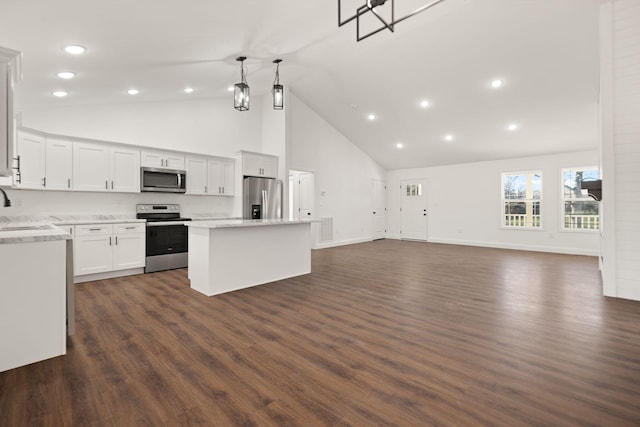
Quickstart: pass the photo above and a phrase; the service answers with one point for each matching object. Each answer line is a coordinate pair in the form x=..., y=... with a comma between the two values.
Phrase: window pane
x=581, y=215
x=572, y=182
x=522, y=214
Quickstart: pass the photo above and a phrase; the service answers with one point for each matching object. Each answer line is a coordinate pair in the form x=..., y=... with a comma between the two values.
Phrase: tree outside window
x=581, y=212
x=522, y=199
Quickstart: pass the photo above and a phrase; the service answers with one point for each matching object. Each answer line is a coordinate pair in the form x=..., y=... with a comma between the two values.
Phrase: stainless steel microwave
x=163, y=180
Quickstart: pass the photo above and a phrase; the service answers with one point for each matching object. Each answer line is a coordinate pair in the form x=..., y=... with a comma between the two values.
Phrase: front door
x=414, y=209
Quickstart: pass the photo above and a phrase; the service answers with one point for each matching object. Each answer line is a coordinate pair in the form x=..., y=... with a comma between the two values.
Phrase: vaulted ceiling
x=545, y=52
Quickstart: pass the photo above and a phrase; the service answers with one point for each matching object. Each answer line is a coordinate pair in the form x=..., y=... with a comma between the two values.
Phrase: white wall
x=344, y=174
x=274, y=141
x=206, y=126
x=464, y=204
x=620, y=147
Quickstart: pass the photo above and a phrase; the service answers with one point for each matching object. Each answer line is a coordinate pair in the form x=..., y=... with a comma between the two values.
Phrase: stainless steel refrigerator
x=262, y=198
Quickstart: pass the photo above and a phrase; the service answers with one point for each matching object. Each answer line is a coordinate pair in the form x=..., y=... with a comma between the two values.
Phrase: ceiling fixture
x=371, y=117
x=278, y=89
x=241, y=90
x=512, y=126
x=75, y=49
x=231, y=88
x=60, y=93
x=387, y=22
x=66, y=75
x=496, y=83
x=133, y=91
x=188, y=89
x=448, y=138
x=399, y=145
x=424, y=103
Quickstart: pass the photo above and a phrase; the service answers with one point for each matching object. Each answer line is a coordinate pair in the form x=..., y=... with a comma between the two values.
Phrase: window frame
x=503, y=200
x=562, y=228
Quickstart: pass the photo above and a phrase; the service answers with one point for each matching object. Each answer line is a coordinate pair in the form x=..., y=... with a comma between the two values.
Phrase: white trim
x=107, y=275
x=519, y=247
x=334, y=243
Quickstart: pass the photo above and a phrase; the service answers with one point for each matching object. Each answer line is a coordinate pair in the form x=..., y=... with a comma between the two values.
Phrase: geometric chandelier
x=385, y=23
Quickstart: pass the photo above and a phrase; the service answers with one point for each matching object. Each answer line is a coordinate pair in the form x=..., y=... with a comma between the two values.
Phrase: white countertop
x=25, y=229
x=246, y=223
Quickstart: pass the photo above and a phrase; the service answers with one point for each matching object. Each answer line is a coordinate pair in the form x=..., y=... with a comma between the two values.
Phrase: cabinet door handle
x=17, y=169
x=44, y=181
x=112, y=185
x=106, y=185
x=109, y=240
x=95, y=229
x=68, y=182
x=116, y=240
x=129, y=228
x=205, y=188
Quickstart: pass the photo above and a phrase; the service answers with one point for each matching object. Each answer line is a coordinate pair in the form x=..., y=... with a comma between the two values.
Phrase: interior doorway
x=301, y=194
x=414, y=209
x=379, y=204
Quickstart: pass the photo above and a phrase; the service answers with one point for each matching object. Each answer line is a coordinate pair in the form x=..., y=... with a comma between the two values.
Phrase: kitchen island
x=228, y=255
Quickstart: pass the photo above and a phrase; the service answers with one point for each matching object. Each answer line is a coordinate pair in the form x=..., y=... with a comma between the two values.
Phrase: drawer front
x=93, y=229
x=137, y=227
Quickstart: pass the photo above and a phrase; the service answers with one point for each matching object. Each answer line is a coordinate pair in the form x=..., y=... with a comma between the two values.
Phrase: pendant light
x=278, y=89
x=241, y=90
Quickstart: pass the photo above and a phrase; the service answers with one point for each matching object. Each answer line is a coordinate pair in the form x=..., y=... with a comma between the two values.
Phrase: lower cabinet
x=101, y=248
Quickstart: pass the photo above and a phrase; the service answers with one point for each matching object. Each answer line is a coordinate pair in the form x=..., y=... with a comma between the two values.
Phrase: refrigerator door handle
x=265, y=205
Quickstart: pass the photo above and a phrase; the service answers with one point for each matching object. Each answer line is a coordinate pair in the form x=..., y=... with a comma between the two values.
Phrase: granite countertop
x=25, y=229
x=246, y=223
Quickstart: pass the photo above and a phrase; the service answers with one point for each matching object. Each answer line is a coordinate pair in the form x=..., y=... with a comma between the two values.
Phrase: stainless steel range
x=167, y=237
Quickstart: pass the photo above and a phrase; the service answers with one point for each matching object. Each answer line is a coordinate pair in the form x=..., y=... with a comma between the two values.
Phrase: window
x=521, y=199
x=580, y=211
x=414, y=189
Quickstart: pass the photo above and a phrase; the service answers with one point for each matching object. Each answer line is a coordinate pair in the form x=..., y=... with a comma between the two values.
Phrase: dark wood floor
x=381, y=333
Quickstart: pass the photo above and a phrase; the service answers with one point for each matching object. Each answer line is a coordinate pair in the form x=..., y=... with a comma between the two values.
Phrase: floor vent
x=326, y=229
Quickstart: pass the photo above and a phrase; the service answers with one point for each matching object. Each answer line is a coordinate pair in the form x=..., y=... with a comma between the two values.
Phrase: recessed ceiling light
x=512, y=126
x=371, y=117
x=231, y=88
x=424, y=103
x=133, y=91
x=66, y=75
x=448, y=138
x=75, y=49
x=399, y=145
x=60, y=93
x=188, y=89
x=496, y=83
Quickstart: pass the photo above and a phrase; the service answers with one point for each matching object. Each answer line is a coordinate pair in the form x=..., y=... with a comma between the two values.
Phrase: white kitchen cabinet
x=222, y=176
x=161, y=159
x=101, y=248
x=31, y=152
x=10, y=73
x=258, y=164
x=33, y=302
x=101, y=167
x=197, y=175
x=44, y=163
x=58, y=164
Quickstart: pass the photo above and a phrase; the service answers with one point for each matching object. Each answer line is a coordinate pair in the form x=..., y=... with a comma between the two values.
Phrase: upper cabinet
x=210, y=175
x=257, y=164
x=101, y=167
x=222, y=173
x=197, y=174
x=43, y=162
x=161, y=159
x=10, y=73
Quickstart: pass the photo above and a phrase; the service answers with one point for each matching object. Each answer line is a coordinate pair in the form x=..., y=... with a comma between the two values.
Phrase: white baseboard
x=519, y=247
x=107, y=275
x=334, y=243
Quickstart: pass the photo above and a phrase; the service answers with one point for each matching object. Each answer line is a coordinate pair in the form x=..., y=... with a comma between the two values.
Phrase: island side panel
x=240, y=257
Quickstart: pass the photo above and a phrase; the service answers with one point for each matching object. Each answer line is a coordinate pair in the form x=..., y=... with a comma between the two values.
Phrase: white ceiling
x=546, y=51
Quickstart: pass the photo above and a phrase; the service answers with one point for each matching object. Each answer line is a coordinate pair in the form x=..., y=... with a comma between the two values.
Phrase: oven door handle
x=163, y=223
